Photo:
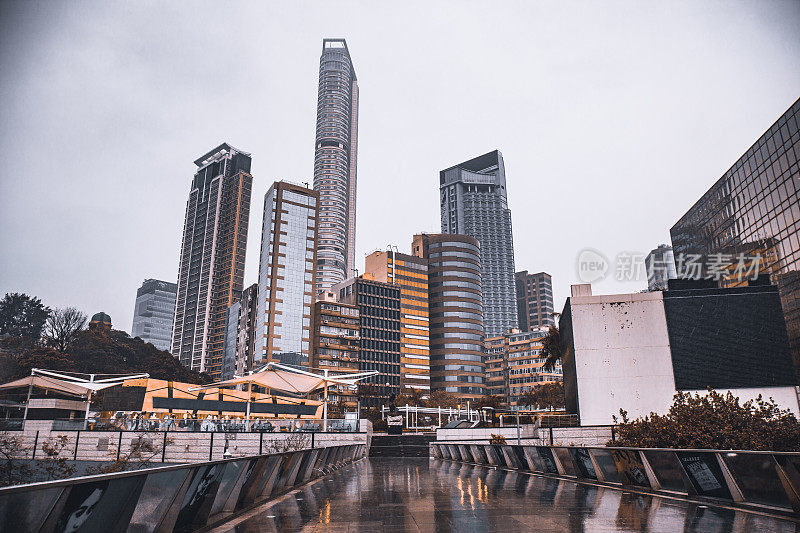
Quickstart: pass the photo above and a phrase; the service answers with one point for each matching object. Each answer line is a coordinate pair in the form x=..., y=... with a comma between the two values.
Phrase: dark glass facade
x=754, y=209
x=379, y=331
x=740, y=327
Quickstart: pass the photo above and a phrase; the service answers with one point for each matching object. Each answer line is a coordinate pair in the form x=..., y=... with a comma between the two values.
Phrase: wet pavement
x=420, y=494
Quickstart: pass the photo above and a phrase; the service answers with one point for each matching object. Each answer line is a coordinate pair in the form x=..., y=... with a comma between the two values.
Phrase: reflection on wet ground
x=420, y=494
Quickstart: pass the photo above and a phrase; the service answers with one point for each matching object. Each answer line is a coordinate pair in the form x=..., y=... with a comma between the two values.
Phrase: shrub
x=497, y=439
x=713, y=421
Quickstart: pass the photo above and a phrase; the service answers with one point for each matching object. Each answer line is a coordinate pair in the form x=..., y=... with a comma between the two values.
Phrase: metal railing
x=765, y=480
x=204, y=424
x=180, y=498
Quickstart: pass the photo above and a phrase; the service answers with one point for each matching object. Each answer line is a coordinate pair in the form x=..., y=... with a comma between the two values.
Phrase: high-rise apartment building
x=240, y=334
x=752, y=211
x=335, y=155
x=379, y=313
x=514, y=364
x=473, y=202
x=534, y=300
x=455, y=309
x=335, y=343
x=211, y=271
x=154, y=312
x=228, y=369
x=410, y=273
x=660, y=264
x=286, y=274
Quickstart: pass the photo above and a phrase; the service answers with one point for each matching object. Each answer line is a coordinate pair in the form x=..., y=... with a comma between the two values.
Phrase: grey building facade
x=534, y=300
x=473, y=202
x=154, y=312
x=240, y=334
x=335, y=156
x=660, y=264
x=455, y=311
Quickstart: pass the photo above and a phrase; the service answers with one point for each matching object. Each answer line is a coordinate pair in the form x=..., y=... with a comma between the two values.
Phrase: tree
x=713, y=421
x=489, y=400
x=412, y=397
x=440, y=398
x=14, y=467
x=552, y=348
x=94, y=352
x=544, y=396
x=527, y=399
x=22, y=316
x=62, y=327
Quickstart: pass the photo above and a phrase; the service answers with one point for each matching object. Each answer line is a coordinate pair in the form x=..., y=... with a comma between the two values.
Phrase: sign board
x=704, y=474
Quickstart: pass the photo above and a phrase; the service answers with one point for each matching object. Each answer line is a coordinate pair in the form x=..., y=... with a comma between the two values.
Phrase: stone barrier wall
x=571, y=436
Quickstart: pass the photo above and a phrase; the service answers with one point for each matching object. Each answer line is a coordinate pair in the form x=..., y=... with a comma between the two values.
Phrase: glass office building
x=154, y=312
x=473, y=202
x=752, y=211
x=286, y=274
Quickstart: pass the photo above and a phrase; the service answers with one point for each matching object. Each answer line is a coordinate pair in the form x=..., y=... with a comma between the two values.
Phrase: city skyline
x=55, y=136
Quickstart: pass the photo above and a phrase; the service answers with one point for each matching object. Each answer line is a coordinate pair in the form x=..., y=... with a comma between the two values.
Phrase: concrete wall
x=181, y=447
x=621, y=356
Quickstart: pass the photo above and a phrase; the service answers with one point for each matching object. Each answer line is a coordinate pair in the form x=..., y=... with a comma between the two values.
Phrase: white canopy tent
x=70, y=383
x=292, y=380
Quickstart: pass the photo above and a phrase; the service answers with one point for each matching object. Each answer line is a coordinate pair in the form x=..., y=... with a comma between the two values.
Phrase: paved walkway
x=416, y=494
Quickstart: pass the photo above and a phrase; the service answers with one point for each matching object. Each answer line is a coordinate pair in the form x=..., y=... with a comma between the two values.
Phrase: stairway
x=400, y=445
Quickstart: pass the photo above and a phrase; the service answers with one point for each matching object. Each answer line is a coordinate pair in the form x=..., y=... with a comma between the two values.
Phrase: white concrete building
x=619, y=356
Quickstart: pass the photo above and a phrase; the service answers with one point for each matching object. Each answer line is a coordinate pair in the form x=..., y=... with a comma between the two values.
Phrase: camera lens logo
x=591, y=266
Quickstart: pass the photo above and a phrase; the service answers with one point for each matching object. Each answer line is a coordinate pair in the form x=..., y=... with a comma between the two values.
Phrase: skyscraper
x=473, y=202
x=154, y=312
x=534, y=300
x=456, y=313
x=286, y=276
x=211, y=271
x=752, y=215
x=410, y=273
x=660, y=264
x=335, y=154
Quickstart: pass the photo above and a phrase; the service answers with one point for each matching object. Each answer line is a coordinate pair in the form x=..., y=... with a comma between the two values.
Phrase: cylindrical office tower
x=335, y=156
x=455, y=306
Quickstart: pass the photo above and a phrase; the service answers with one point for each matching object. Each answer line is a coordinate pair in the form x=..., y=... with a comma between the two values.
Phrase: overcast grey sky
x=613, y=119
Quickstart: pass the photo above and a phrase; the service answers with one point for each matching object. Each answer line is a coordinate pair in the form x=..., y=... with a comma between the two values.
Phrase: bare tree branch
x=62, y=327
